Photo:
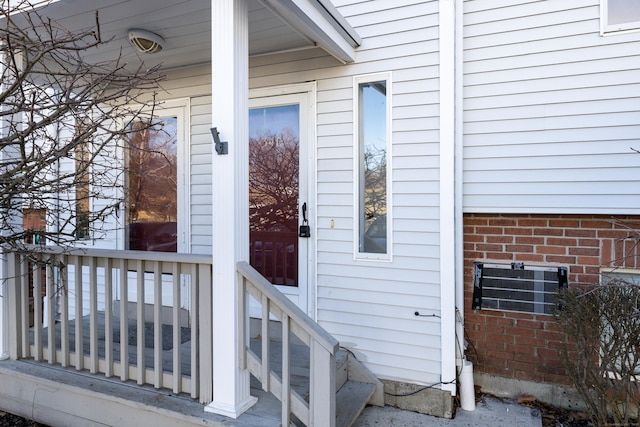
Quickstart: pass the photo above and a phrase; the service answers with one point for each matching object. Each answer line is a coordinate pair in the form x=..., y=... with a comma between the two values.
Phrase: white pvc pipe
x=467, y=390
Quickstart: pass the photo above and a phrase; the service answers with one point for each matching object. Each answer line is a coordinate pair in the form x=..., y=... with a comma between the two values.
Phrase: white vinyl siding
x=369, y=305
x=551, y=110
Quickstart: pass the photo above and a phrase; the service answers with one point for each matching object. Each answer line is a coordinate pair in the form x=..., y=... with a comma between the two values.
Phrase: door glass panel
x=274, y=151
x=153, y=186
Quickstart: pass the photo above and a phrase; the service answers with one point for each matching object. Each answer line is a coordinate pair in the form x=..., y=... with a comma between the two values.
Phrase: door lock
x=305, y=230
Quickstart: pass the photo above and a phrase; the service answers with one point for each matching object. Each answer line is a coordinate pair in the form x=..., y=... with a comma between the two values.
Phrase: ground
x=10, y=420
x=551, y=416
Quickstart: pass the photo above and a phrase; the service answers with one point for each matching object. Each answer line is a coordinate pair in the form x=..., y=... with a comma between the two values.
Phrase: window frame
x=611, y=29
x=180, y=109
x=359, y=226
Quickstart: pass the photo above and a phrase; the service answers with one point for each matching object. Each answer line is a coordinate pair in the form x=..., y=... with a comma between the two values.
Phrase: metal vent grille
x=516, y=287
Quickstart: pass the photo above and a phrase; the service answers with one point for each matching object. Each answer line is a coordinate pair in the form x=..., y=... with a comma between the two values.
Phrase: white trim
x=459, y=178
x=447, y=195
x=357, y=80
x=615, y=29
x=181, y=109
x=551, y=211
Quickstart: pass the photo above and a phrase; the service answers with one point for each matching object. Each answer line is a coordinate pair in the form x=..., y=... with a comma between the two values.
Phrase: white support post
x=229, y=99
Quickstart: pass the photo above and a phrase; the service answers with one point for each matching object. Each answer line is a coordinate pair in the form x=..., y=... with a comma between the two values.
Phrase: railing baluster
x=93, y=315
x=157, y=324
x=64, y=311
x=36, y=273
x=124, y=320
x=108, y=317
x=24, y=278
x=177, y=341
x=195, y=324
x=14, y=304
x=51, y=311
x=79, y=313
x=266, y=354
x=140, y=377
x=286, y=366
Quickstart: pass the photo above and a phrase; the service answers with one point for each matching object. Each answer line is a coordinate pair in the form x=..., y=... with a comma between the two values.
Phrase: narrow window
x=373, y=141
x=152, y=186
x=619, y=15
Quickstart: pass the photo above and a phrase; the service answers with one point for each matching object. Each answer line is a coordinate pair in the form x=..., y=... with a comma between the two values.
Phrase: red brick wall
x=528, y=346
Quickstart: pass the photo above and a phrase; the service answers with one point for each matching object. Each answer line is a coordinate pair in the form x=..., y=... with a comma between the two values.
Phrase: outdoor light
x=145, y=41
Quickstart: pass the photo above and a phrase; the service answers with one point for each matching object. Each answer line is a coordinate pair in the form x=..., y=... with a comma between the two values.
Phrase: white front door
x=280, y=190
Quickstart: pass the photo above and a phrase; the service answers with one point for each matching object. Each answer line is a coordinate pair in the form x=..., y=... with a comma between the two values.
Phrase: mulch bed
x=552, y=416
x=10, y=420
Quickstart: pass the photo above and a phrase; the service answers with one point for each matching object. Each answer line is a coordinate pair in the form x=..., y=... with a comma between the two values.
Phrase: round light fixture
x=145, y=41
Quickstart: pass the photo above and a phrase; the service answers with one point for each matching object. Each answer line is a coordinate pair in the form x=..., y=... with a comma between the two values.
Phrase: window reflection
x=372, y=128
x=152, y=186
x=274, y=169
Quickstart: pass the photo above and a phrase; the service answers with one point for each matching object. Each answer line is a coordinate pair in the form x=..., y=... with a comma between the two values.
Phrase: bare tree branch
x=65, y=124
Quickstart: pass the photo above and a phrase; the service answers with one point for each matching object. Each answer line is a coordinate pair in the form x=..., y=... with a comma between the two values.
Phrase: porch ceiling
x=274, y=26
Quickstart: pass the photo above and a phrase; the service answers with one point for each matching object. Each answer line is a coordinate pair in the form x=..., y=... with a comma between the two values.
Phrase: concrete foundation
x=414, y=397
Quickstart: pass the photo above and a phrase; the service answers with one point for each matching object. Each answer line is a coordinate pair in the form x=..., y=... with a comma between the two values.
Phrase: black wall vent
x=517, y=287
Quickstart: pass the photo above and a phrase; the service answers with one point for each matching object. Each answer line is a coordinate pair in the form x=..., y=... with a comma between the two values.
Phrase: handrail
x=116, y=254
x=326, y=340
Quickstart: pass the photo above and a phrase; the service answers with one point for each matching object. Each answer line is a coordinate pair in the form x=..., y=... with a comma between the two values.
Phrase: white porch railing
x=320, y=409
x=140, y=316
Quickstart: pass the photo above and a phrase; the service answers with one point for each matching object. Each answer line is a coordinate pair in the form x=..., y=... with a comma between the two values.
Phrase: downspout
x=466, y=381
x=448, y=294
x=458, y=177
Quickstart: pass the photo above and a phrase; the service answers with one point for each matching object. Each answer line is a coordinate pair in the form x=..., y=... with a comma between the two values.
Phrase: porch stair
x=330, y=369
x=356, y=387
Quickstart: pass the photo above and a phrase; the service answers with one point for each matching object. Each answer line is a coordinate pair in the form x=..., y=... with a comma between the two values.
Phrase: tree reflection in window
x=274, y=168
x=372, y=131
x=152, y=186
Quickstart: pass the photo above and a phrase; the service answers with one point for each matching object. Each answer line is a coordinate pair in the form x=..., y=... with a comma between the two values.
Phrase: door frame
x=305, y=294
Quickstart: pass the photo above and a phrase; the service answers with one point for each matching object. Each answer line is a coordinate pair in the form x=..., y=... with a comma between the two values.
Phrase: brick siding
x=528, y=346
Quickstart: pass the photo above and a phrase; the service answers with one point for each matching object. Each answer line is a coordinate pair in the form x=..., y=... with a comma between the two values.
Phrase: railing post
x=322, y=387
x=4, y=306
x=205, y=325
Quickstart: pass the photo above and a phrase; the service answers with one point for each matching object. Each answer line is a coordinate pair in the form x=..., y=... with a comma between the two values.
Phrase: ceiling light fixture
x=145, y=41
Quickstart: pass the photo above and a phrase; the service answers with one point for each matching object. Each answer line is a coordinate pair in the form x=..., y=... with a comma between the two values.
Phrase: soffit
x=184, y=25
